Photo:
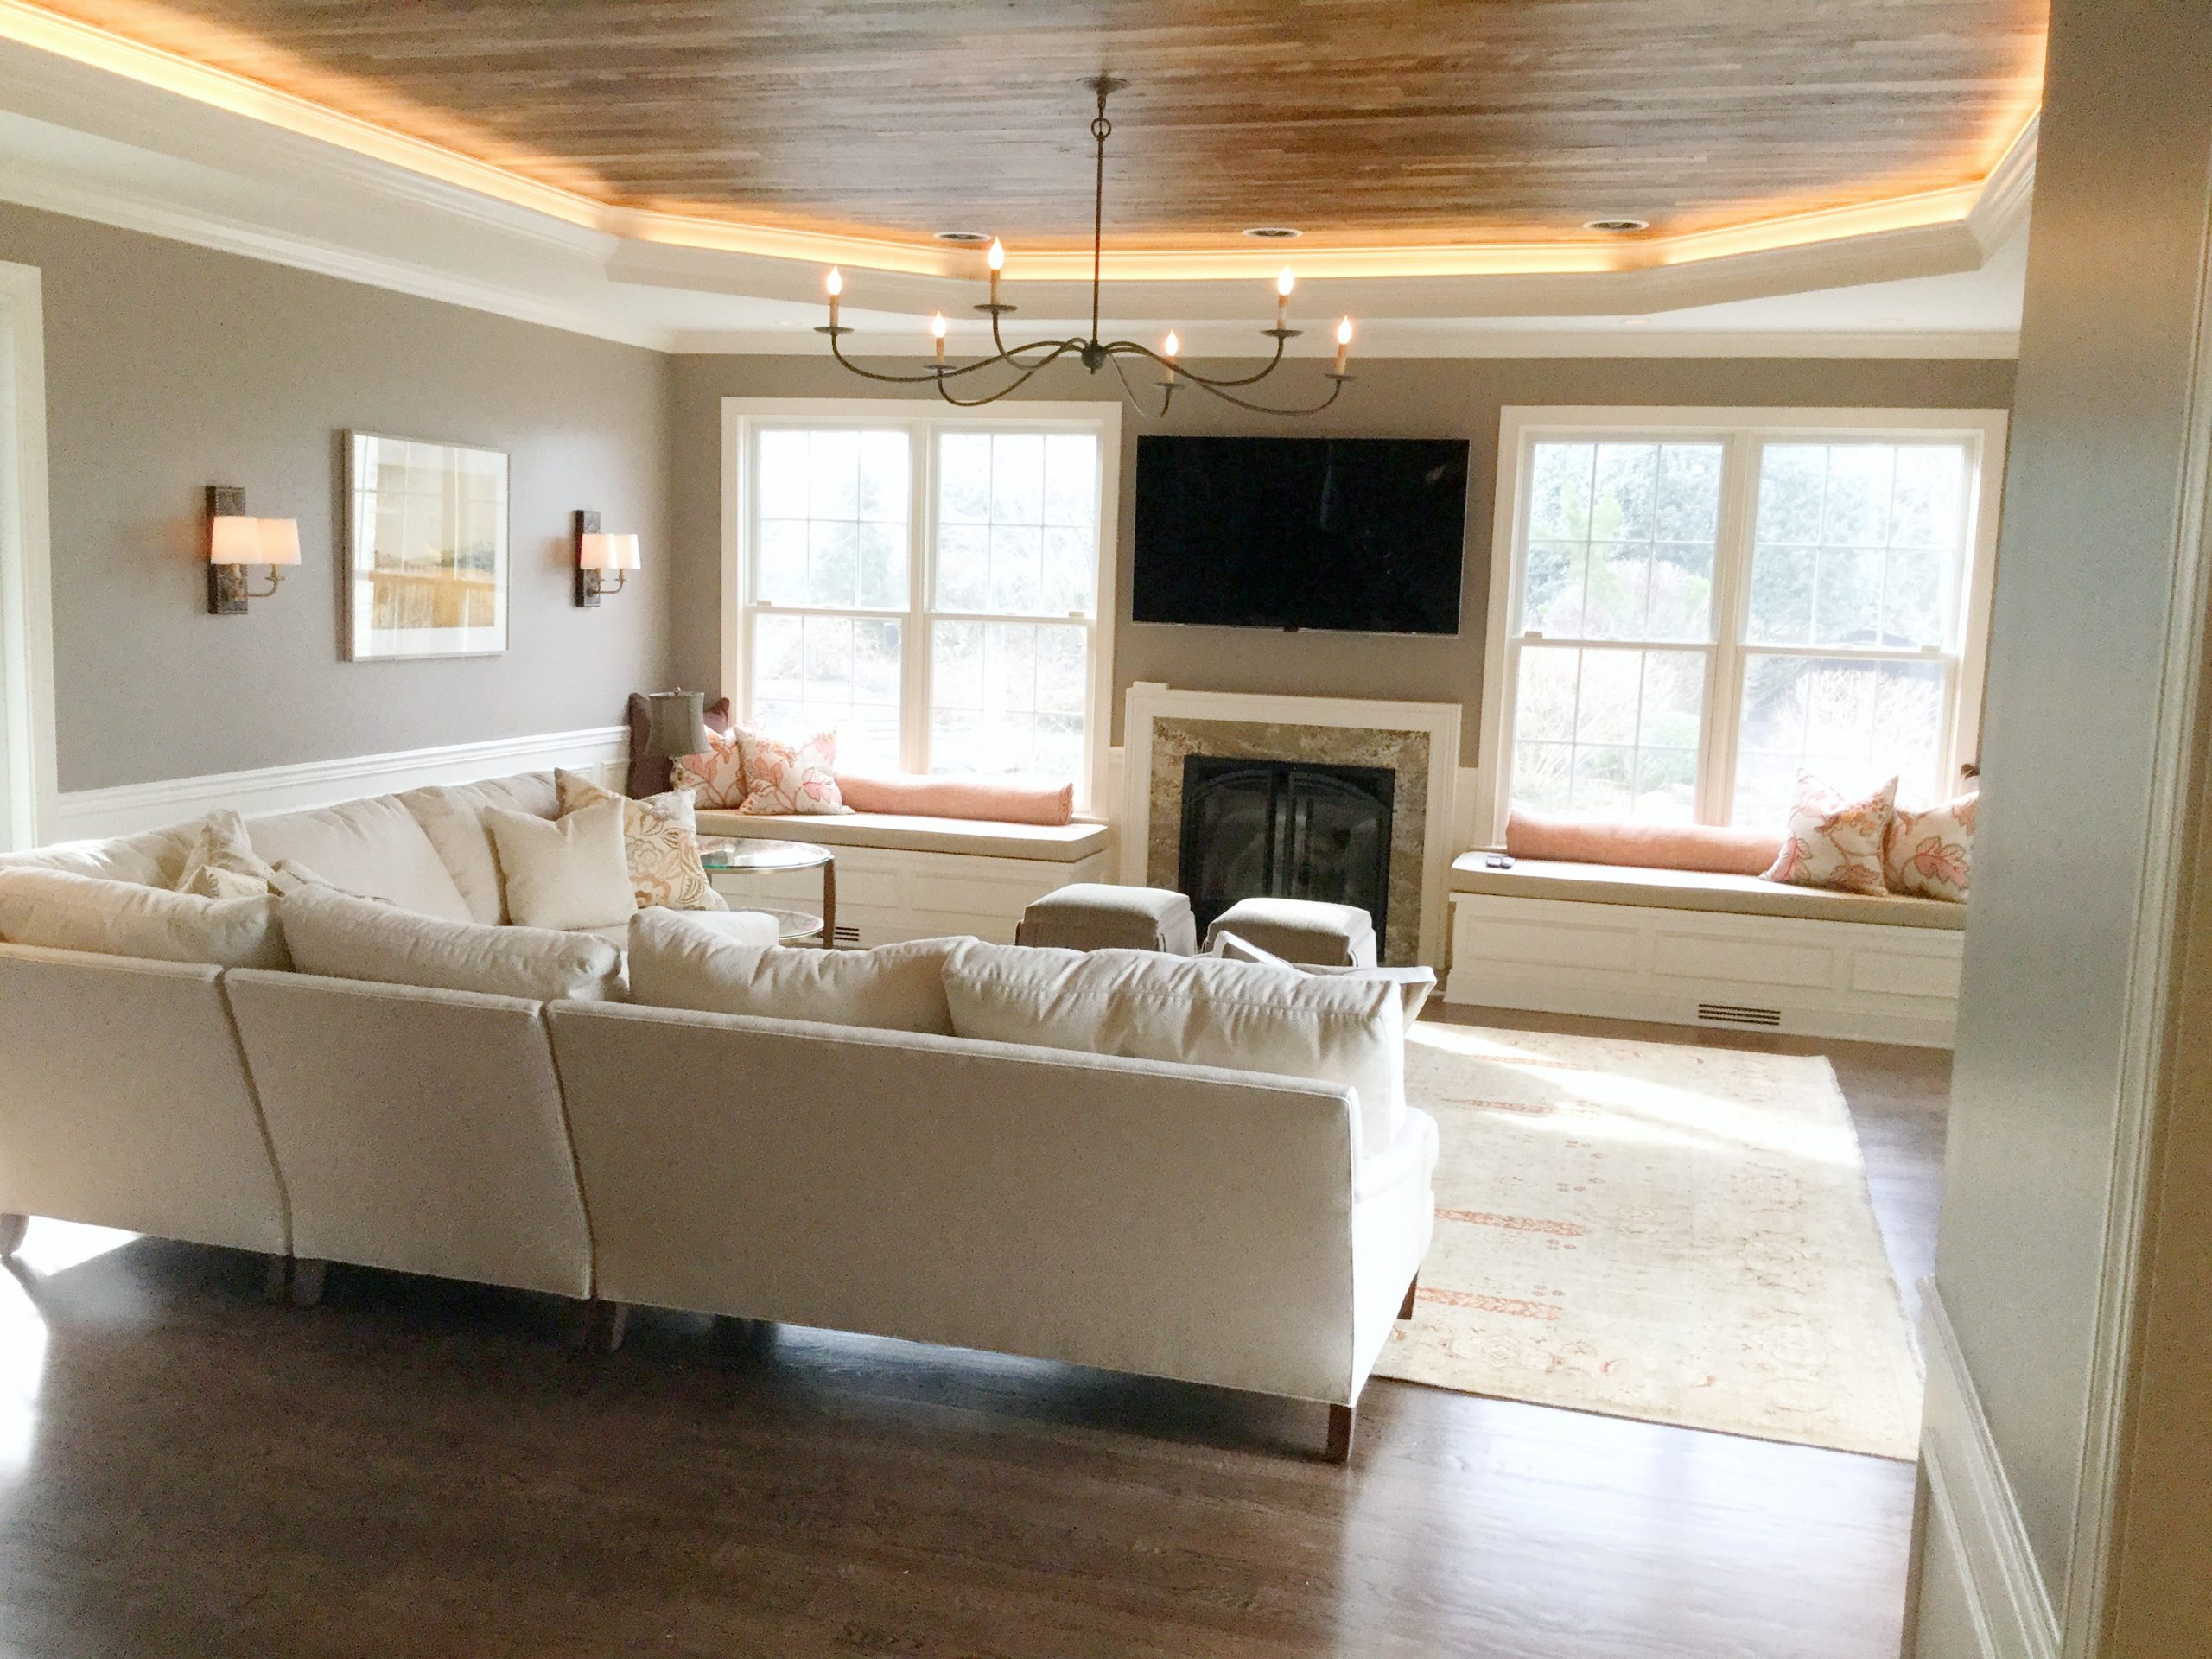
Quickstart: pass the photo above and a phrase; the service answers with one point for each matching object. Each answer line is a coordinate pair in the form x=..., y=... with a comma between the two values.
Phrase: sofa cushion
x=1204, y=1010
x=563, y=872
x=342, y=936
x=682, y=961
x=451, y=816
x=63, y=911
x=220, y=863
x=372, y=846
x=153, y=858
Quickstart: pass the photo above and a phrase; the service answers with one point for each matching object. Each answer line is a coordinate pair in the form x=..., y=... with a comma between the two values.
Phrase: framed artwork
x=426, y=539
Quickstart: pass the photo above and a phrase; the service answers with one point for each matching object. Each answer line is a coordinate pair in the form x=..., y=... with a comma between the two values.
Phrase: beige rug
x=1659, y=1231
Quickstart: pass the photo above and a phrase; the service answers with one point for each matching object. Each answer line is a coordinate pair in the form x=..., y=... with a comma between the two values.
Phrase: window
x=1699, y=603
x=930, y=584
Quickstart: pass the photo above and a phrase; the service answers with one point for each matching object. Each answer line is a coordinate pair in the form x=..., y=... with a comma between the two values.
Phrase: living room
x=1325, y=982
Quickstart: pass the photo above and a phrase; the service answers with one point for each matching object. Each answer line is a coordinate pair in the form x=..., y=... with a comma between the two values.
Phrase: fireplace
x=1286, y=828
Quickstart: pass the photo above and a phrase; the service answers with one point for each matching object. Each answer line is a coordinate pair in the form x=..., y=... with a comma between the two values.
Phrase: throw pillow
x=62, y=910
x=1931, y=852
x=791, y=777
x=220, y=863
x=563, y=872
x=1414, y=984
x=1834, y=842
x=345, y=937
x=1200, y=1010
x=716, y=778
x=659, y=840
x=683, y=962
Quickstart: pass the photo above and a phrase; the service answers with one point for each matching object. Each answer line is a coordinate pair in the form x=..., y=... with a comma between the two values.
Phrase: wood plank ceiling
x=1378, y=123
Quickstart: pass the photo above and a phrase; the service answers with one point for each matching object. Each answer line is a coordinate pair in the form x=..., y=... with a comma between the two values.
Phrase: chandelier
x=1025, y=361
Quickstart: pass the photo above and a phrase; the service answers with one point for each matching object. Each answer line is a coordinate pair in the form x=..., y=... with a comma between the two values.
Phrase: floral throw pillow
x=791, y=777
x=716, y=778
x=1930, y=852
x=1834, y=842
x=658, y=842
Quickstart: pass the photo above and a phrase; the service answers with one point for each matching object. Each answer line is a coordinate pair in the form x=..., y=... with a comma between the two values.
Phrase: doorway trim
x=29, y=785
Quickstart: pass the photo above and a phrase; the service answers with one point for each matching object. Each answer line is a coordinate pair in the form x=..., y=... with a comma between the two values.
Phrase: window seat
x=1066, y=843
x=1627, y=942
x=1739, y=895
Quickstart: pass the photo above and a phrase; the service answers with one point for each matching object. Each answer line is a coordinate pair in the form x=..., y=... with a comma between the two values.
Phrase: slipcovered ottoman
x=1301, y=930
x=1099, y=916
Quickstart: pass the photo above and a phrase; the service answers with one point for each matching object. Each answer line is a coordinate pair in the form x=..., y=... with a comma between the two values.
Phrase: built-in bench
x=1695, y=949
x=903, y=877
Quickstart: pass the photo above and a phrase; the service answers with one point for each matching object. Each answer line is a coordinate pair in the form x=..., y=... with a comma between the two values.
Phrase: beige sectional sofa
x=1209, y=1223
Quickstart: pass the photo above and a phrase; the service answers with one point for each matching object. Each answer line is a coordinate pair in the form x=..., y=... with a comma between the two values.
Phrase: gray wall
x=2085, y=565
x=1457, y=398
x=169, y=367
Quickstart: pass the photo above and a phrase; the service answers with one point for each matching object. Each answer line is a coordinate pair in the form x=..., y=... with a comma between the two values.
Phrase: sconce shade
x=601, y=550
x=626, y=558
x=280, y=541
x=235, y=541
x=678, y=724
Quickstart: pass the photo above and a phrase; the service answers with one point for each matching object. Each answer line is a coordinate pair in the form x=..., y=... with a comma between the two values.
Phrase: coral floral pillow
x=791, y=777
x=1930, y=852
x=716, y=777
x=1834, y=842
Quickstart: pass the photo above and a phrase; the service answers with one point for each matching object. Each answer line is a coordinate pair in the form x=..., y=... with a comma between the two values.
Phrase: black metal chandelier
x=1025, y=361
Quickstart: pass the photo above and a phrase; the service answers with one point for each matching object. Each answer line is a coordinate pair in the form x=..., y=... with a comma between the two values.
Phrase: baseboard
x=1998, y=1584
x=90, y=813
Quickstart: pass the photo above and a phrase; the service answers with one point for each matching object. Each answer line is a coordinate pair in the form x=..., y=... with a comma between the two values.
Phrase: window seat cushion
x=1062, y=843
x=1742, y=895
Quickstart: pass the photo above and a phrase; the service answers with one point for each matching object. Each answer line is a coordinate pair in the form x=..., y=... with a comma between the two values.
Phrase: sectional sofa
x=1218, y=1222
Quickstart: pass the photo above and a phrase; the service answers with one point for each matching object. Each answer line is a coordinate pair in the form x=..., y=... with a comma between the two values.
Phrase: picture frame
x=427, y=549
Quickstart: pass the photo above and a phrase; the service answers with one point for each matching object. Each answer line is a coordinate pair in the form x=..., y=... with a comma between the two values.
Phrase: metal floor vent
x=1735, y=1013
x=848, y=934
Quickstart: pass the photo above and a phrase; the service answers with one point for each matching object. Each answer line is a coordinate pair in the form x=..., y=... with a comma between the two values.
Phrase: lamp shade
x=234, y=541
x=280, y=541
x=626, y=558
x=678, y=724
x=595, y=550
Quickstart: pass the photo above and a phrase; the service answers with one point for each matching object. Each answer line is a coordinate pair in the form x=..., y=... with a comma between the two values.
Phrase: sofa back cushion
x=153, y=858
x=63, y=911
x=372, y=846
x=1204, y=1010
x=343, y=937
x=679, y=960
x=451, y=816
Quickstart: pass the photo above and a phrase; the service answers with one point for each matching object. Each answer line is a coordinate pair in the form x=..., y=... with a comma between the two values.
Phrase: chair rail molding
x=1971, y=1499
x=602, y=751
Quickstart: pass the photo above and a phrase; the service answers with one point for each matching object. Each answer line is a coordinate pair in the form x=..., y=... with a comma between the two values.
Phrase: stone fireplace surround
x=1419, y=741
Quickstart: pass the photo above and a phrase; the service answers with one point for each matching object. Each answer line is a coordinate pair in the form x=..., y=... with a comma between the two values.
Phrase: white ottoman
x=1099, y=916
x=1301, y=930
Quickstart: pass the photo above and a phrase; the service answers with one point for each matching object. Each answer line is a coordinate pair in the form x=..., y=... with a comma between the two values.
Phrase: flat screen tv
x=1359, y=535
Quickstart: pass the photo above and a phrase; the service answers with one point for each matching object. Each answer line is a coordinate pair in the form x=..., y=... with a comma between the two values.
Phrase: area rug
x=1655, y=1231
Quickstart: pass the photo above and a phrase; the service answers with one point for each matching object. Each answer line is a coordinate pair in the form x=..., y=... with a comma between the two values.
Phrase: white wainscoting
x=602, y=751
x=885, y=895
x=1856, y=980
x=1988, y=1590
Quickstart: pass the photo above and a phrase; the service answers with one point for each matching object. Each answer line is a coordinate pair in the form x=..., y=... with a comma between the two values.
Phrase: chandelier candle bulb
x=1283, y=285
x=997, y=259
x=937, y=329
x=1168, y=348
x=836, y=284
x=1343, y=343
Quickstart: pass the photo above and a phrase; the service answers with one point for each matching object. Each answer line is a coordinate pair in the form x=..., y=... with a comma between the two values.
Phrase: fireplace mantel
x=1150, y=702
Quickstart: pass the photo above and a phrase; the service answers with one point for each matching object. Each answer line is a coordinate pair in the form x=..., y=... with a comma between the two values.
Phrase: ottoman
x=1099, y=916
x=1301, y=930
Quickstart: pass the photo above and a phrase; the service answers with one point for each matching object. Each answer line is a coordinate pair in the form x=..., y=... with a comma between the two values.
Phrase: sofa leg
x=600, y=1326
x=306, y=1282
x=276, y=1280
x=12, y=1229
x=1406, y=1308
x=1340, y=1421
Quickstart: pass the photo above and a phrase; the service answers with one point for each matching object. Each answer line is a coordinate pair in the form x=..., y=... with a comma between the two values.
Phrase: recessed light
x=964, y=236
x=1636, y=322
x=1617, y=226
x=1271, y=232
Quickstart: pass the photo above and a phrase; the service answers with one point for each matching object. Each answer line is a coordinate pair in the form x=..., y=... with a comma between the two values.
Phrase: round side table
x=728, y=856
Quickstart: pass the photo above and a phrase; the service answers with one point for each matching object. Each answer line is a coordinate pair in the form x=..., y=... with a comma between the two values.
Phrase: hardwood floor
x=422, y=1468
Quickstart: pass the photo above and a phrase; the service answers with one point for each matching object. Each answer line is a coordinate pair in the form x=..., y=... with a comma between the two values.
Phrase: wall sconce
x=235, y=541
x=598, y=552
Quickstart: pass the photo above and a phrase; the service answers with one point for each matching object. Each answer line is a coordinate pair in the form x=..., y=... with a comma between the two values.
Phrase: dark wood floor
x=418, y=1468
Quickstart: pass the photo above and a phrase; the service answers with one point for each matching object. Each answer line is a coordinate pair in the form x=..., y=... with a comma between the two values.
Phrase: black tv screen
x=1362, y=535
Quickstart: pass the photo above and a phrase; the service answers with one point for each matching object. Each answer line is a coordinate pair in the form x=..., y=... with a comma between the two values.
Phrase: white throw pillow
x=220, y=863
x=682, y=961
x=1203, y=1010
x=452, y=818
x=1414, y=984
x=563, y=872
x=343, y=937
x=65, y=912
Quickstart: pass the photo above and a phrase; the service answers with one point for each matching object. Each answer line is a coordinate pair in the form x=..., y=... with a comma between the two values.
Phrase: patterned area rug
x=1655, y=1230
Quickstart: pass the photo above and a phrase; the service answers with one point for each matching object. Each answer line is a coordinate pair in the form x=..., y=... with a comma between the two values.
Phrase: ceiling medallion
x=1094, y=353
